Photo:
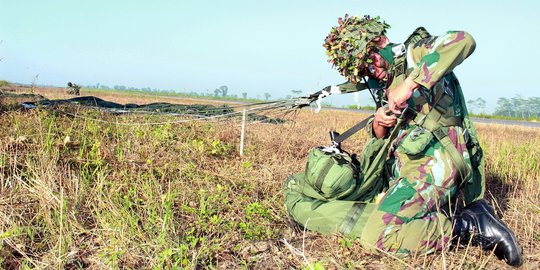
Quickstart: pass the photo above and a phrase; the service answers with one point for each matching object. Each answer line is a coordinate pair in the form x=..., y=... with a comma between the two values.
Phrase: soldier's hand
x=397, y=97
x=381, y=118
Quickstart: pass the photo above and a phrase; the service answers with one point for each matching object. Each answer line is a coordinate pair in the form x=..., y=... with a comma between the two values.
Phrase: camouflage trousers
x=408, y=218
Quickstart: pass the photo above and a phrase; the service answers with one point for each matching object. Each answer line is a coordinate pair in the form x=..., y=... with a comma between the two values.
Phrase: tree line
x=222, y=91
x=518, y=107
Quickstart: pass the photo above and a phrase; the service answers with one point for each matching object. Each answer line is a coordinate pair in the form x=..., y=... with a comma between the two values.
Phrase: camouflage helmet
x=350, y=42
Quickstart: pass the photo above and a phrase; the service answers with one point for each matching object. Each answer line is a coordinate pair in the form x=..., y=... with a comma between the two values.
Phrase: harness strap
x=322, y=175
x=461, y=166
x=352, y=217
x=345, y=135
x=436, y=121
x=357, y=218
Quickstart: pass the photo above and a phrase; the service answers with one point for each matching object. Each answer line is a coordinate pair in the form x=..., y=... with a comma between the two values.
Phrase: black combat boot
x=479, y=221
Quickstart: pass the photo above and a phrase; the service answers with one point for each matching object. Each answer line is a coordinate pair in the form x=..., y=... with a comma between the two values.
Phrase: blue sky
x=250, y=46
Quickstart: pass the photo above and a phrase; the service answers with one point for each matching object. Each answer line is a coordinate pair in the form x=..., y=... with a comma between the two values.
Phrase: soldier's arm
x=344, y=88
x=382, y=122
x=432, y=58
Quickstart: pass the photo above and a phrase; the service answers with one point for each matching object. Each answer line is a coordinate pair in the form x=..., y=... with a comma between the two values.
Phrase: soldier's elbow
x=469, y=43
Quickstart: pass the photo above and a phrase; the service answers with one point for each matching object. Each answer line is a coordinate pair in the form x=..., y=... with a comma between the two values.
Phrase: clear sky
x=249, y=45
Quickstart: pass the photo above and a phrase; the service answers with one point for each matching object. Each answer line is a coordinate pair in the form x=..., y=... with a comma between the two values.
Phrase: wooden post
x=243, y=134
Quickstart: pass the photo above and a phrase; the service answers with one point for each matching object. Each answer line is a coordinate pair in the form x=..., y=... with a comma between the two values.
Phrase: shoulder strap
x=436, y=122
x=345, y=135
x=399, y=67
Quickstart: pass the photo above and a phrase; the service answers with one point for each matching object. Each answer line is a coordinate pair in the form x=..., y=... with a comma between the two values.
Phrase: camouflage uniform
x=407, y=219
x=424, y=177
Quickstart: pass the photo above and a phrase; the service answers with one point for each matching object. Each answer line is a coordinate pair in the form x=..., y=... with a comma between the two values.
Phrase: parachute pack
x=335, y=186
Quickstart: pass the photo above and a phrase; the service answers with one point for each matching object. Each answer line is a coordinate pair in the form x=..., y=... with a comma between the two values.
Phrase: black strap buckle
x=408, y=114
x=440, y=133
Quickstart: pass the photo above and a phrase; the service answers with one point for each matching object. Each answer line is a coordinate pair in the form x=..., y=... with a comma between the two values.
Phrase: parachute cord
x=370, y=91
x=269, y=106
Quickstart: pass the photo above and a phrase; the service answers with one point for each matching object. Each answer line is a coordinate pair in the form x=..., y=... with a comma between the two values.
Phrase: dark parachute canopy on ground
x=200, y=110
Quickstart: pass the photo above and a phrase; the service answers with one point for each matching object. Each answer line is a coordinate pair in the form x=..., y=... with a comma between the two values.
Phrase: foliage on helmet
x=348, y=43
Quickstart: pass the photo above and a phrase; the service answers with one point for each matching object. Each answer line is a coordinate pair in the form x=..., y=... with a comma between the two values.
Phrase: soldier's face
x=378, y=67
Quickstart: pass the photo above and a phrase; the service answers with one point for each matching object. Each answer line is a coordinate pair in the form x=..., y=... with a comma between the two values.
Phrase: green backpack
x=331, y=174
x=335, y=187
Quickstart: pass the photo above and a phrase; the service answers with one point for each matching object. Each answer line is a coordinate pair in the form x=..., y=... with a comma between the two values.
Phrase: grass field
x=117, y=193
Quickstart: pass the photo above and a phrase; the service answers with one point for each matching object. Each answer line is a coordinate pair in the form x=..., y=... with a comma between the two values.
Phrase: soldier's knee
x=372, y=237
x=369, y=242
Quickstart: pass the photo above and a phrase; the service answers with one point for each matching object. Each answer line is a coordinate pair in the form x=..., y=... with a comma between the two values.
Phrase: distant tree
x=476, y=105
x=224, y=89
x=97, y=85
x=534, y=106
x=471, y=105
x=216, y=92
x=266, y=96
x=504, y=107
x=519, y=106
x=481, y=104
x=244, y=95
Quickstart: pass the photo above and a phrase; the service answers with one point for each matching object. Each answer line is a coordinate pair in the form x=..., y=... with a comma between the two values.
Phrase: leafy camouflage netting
x=349, y=43
x=200, y=110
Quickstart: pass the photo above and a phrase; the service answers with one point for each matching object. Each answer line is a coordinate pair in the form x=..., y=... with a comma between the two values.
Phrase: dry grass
x=76, y=193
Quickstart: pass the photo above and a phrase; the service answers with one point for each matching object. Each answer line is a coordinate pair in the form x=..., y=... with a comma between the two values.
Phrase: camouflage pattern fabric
x=436, y=57
x=408, y=219
x=431, y=61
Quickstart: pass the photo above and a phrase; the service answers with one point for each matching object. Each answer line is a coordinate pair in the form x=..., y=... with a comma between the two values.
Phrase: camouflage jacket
x=429, y=62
